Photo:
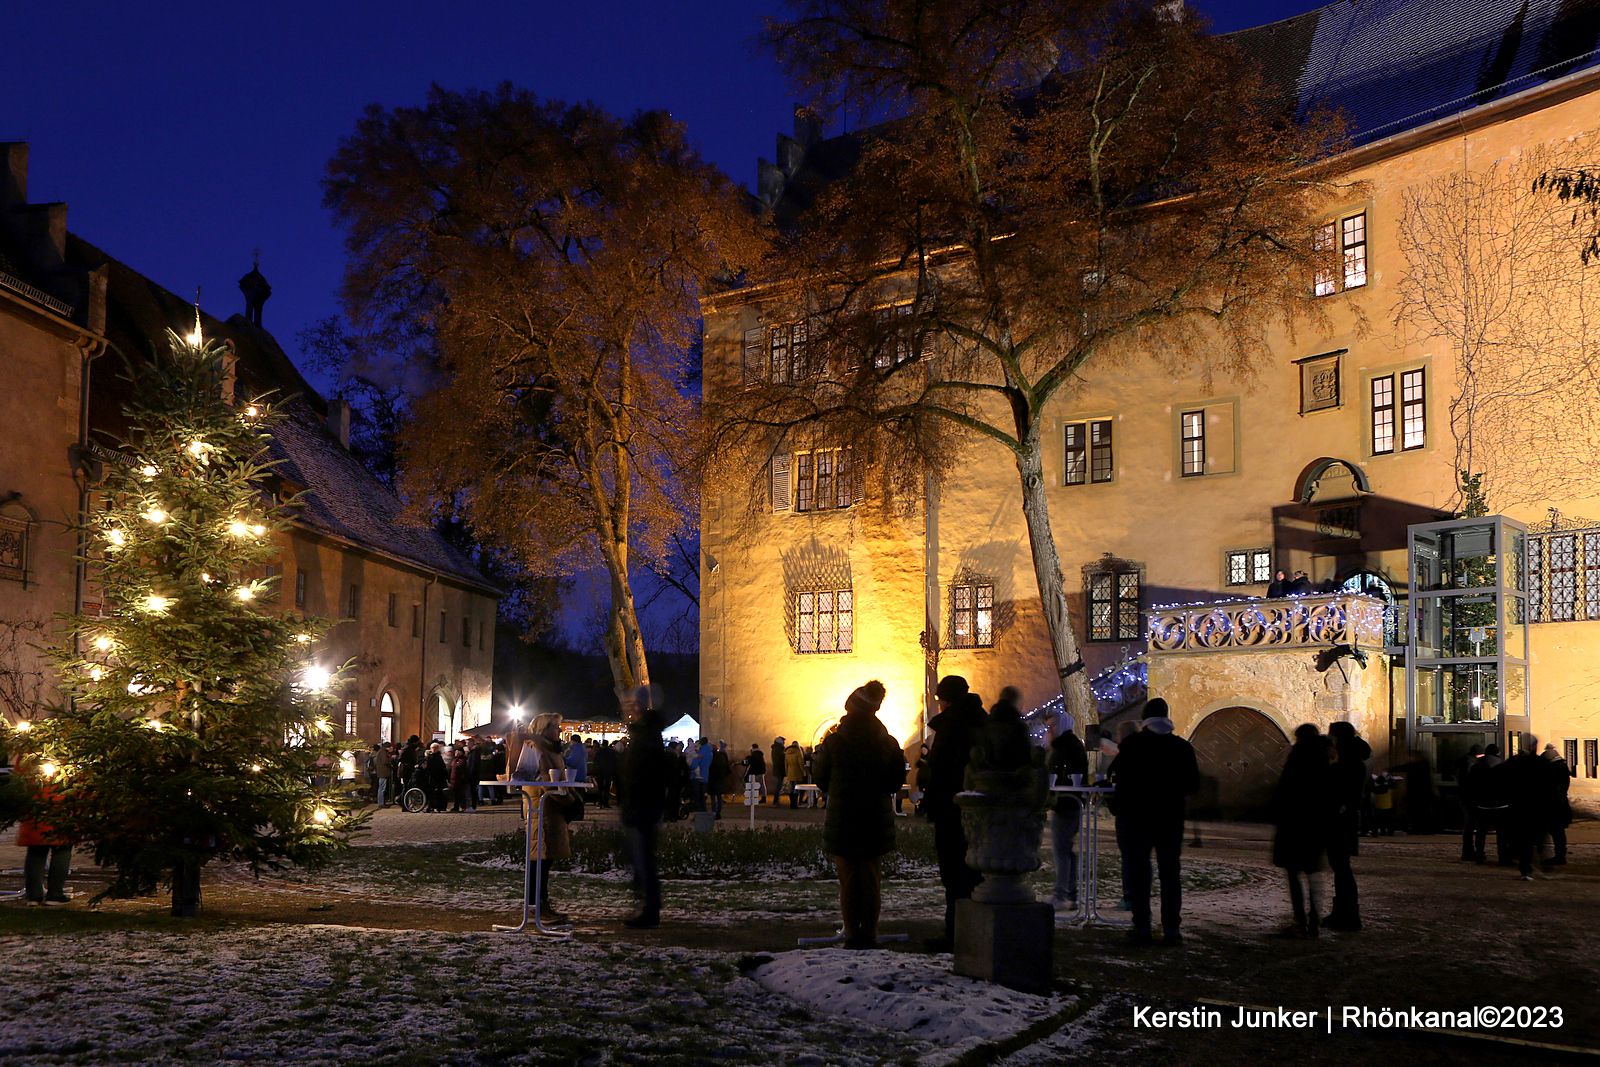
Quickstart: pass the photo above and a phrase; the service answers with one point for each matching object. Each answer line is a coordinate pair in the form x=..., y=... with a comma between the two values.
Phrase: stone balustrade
x=1310, y=621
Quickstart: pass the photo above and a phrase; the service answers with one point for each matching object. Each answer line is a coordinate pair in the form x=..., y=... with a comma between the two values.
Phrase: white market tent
x=685, y=729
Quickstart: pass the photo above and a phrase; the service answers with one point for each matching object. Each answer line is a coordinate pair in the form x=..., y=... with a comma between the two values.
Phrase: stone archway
x=1240, y=752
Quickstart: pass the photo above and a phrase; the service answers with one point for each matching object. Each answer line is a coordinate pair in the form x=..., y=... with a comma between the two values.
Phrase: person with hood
x=1531, y=793
x=1067, y=757
x=721, y=782
x=1560, y=806
x=1278, y=587
x=437, y=779
x=755, y=767
x=1155, y=770
x=1301, y=806
x=860, y=768
x=641, y=793
x=960, y=723
x=794, y=768
x=1348, y=778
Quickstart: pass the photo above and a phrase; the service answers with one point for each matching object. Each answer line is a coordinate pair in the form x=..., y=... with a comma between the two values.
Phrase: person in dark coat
x=437, y=777
x=1067, y=757
x=960, y=724
x=721, y=776
x=1278, y=587
x=860, y=768
x=755, y=766
x=1153, y=773
x=1531, y=792
x=778, y=768
x=1464, y=767
x=1348, y=781
x=1299, y=585
x=1488, y=805
x=605, y=773
x=1007, y=739
x=1302, y=805
x=1422, y=815
x=1560, y=806
x=641, y=793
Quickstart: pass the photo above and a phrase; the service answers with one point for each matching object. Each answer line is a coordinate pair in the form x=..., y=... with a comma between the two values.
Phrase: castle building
x=414, y=614
x=1174, y=504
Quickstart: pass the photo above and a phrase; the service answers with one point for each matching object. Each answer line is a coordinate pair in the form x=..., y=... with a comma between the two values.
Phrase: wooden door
x=1240, y=752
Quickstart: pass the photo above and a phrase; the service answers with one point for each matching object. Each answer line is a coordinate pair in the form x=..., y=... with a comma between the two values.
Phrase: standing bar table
x=533, y=855
x=1089, y=798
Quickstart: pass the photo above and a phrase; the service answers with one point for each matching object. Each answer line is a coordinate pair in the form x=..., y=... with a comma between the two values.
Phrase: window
x=14, y=547
x=272, y=580
x=1089, y=455
x=353, y=606
x=1341, y=249
x=394, y=609
x=466, y=632
x=1194, y=443
x=824, y=621
x=1383, y=414
x=1591, y=758
x=755, y=356
x=442, y=621
x=1569, y=752
x=416, y=620
x=386, y=718
x=349, y=718
x=823, y=480
x=895, y=342
x=1252, y=567
x=1113, y=604
x=1413, y=410
x=1563, y=553
x=972, y=616
x=299, y=588
x=1591, y=575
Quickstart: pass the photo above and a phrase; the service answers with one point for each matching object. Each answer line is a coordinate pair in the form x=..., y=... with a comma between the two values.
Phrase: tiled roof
x=343, y=499
x=1392, y=65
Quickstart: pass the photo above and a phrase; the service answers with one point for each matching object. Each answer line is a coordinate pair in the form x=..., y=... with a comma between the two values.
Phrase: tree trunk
x=1074, y=680
x=624, y=641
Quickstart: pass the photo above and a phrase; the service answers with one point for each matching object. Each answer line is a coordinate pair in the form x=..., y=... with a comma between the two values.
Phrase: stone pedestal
x=1008, y=944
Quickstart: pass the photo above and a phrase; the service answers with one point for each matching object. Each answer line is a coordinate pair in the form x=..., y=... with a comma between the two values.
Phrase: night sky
x=184, y=135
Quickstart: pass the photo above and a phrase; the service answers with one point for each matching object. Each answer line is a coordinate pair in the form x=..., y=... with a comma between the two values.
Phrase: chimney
x=13, y=174
x=339, y=420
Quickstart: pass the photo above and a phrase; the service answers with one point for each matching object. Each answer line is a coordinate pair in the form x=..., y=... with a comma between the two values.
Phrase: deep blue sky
x=185, y=134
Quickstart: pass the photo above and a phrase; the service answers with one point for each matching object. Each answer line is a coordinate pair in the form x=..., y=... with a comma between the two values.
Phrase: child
x=1383, y=804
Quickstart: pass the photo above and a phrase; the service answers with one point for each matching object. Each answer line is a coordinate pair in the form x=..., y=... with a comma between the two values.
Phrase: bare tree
x=1054, y=186
x=22, y=667
x=1494, y=274
x=547, y=258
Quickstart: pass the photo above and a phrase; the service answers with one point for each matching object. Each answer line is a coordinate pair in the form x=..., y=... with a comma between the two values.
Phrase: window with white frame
x=824, y=621
x=1194, y=443
x=349, y=718
x=1250, y=567
x=894, y=344
x=1089, y=452
x=1341, y=248
x=972, y=615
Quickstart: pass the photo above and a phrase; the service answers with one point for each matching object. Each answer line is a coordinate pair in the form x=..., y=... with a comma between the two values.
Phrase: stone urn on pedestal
x=1003, y=934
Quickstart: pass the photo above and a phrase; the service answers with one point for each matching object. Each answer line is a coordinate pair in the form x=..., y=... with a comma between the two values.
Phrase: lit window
x=299, y=588
x=1113, y=605
x=1252, y=567
x=1413, y=410
x=825, y=621
x=972, y=616
x=1089, y=454
x=1340, y=248
x=1077, y=469
x=823, y=479
x=1194, y=443
x=1383, y=414
x=350, y=718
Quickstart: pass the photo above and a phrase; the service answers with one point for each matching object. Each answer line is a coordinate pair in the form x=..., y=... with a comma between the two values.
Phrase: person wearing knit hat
x=1155, y=772
x=859, y=767
x=960, y=724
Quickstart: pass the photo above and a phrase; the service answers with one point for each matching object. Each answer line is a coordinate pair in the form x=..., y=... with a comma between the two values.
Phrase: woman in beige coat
x=557, y=845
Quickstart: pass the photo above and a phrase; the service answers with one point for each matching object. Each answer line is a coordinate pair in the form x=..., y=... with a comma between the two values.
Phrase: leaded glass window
x=1563, y=577
x=1113, y=605
x=972, y=616
x=825, y=621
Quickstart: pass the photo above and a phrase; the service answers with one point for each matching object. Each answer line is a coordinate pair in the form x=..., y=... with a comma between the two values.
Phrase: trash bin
x=705, y=821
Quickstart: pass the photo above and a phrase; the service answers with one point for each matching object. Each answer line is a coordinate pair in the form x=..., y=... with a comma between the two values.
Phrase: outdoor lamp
x=315, y=677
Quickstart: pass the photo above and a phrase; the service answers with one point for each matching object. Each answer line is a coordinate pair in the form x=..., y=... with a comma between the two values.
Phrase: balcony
x=1312, y=621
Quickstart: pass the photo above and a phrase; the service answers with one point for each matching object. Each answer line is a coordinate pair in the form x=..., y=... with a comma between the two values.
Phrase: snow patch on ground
x=914, y=995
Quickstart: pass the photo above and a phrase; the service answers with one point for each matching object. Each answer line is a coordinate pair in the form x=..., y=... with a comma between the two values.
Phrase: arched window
x=442, y=718
x=386, y=718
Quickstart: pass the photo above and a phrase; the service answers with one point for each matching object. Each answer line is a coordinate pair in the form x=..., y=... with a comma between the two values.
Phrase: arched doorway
x=386, y=718
x=447, y=717
x=1240, y=752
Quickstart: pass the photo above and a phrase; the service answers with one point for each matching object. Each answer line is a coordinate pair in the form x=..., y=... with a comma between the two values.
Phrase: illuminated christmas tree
x=195, y=716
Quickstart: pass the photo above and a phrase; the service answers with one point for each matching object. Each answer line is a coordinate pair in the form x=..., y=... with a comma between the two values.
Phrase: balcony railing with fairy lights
x=1310, y=621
